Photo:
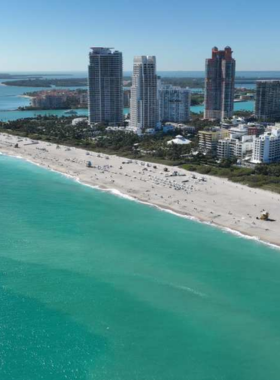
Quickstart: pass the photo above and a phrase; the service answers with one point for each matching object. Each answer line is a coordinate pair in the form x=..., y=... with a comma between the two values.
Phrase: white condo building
x=144, y=101
x=105, y=86
x=174, y=104
x=235, y=147
x=266, y=148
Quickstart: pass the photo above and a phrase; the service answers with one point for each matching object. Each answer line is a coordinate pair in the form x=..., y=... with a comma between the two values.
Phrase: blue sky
x=55, y=35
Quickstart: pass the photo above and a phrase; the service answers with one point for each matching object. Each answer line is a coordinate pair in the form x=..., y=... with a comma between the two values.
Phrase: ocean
x=11, y=97
x=98, y=287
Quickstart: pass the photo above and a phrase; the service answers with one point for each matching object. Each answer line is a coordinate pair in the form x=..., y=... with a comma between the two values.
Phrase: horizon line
x=131, y=70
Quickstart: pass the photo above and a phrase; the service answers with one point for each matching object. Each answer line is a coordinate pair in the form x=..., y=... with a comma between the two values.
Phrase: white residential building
x=235, y=148
x=239, y=131
x=174, y=104
x=79, y=120
x=168, y=127
x=144, y=99
x=179, y=140
x=266, y=147
x=234, y=121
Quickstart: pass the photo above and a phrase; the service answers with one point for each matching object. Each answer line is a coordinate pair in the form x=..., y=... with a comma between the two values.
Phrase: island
x=56, y=99
x=48, y=83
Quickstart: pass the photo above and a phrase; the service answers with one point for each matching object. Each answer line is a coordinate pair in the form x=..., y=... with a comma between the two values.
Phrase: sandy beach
x=26, y=96
x=208, y=199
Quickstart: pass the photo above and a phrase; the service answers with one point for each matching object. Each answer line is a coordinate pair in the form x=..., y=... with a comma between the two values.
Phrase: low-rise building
x=235, y=147
x=248, y=96
x=208, y=140
x=255, y=129
x=179, y=140
x=128, y=129
x=79, y=120
x=239, y=131
x=168, y=128
x=183, y=127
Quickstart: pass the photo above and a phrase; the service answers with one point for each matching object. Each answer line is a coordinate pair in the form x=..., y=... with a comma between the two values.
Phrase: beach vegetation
x=153, y=148
x=262, y=176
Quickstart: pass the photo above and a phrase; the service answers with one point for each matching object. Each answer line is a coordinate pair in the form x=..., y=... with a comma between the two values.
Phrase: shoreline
x=117, y=193
x=167, y=200
x=26, y=96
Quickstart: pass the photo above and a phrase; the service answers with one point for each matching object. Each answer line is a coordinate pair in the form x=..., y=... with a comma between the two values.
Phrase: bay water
x=11, y=96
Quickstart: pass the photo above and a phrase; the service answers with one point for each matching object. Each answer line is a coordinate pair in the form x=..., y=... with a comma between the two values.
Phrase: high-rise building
x=219, y=84
x=267, y=106
x=144, y=102
x=174, y=104
x=105, y=86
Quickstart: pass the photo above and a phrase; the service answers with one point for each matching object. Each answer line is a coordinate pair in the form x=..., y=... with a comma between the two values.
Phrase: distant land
x=82, y=82
x=192, y=79
x=42, y=82
x=180, y=74
x=25, y=76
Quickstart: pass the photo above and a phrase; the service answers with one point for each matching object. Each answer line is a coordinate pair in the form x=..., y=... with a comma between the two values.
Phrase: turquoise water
x=238, y=106
x=10, y=100
x=15, y=115
x=96, y=287
x=10, y=97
